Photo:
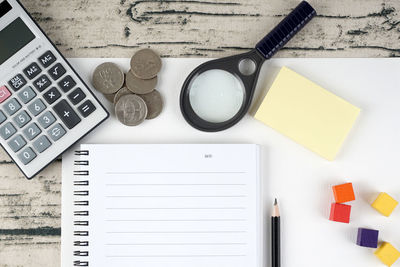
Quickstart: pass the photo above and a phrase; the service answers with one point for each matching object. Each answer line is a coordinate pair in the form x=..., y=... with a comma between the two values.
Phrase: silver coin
x=108, y=78
x=154, y=104
x=145, y=64
x=140, y=86
x=110, y=97
x=123, y=91
x=131, y=110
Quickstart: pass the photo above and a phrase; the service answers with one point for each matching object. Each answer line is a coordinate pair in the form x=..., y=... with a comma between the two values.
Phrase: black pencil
x=276, y=236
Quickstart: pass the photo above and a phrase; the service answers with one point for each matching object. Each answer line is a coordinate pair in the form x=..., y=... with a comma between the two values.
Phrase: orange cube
x=343, y=193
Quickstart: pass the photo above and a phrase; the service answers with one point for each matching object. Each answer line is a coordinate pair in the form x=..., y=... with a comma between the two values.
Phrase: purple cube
x=367, y=238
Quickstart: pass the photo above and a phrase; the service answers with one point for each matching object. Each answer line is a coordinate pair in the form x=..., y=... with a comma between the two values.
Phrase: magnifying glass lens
x=216, y=95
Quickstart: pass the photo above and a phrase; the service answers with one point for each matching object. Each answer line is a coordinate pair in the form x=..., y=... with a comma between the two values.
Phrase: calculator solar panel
x=45, y=107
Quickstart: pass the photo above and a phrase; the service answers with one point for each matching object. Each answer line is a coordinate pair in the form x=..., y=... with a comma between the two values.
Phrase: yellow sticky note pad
x=307, y=113
x=387, y=254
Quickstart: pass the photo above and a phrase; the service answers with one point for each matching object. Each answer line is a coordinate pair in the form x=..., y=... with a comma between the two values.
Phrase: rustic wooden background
x=30, y=211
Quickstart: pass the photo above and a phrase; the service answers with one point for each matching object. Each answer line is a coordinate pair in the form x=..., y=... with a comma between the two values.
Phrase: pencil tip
x=276, y=202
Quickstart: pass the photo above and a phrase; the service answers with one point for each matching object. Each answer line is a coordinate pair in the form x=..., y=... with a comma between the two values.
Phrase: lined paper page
x=174, y=205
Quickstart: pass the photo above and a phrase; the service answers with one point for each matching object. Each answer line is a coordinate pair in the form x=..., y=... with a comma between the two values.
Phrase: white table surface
x=300, y=179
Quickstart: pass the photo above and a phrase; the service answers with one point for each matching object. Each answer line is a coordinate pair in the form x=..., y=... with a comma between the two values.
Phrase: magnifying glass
x=218, y=93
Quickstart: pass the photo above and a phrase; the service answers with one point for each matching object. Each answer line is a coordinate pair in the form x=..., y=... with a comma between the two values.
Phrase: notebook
x=162, y=205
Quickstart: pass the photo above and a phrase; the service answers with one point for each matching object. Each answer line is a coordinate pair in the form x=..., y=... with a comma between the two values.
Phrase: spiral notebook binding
x=81, y=163
x=82, y=153
x=81, y=212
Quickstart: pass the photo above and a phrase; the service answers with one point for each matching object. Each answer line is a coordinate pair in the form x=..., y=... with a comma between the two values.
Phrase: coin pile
x=133, y=94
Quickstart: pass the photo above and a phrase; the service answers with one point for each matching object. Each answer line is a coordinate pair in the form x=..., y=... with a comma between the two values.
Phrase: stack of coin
x=133, y=94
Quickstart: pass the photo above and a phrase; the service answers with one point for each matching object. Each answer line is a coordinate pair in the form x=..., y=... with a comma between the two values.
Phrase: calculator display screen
x=13, y=38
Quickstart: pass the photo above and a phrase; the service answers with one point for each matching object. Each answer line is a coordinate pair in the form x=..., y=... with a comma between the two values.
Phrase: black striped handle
x=286, y=29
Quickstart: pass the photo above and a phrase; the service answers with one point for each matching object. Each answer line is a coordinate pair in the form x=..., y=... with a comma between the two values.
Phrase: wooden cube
x=385, y=204
x=343, y=193
x=387, y=254
x=367, y=238
x=340, y=213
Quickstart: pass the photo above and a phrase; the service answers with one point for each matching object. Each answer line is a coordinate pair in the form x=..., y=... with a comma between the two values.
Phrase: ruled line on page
x=176, y=244
x=180, y=220
x=166, y=196
x=179, y=208
x=175, y=184
x=177, y=232
x=174, y=256
x=172, y=172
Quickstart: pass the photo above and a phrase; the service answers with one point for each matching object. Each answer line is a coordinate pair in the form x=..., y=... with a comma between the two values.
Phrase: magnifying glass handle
x=286, y=29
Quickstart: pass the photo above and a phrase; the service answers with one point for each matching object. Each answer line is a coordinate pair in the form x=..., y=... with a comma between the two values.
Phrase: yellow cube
x=387, y=254
x=385, y=204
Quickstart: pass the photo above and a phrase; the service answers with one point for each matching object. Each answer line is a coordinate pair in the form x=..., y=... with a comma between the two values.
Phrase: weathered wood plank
x=30, y=210
x=213, y=28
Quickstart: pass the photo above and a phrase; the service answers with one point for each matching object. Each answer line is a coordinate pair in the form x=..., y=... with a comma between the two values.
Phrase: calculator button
x=57, y=132
x=32, y=71
x=26, y=95
x=67, y=84
x=46, y=119
x=17, y=82
x=67, y=114
x=52, y=95
x=41, y=144
x=37, y=107
x=22, y=119
x=12, y=106
x=4, y=94
x=42, y=83
x=17, y=143
x=86, y=108
x=31, y=131
x=27, y=155
x=7, y=130
x=57, y=71
x=47, y=59
x=76, y=96
x=2, y=117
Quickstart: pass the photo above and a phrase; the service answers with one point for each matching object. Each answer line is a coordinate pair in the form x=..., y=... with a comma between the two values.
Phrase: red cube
x=340, y=213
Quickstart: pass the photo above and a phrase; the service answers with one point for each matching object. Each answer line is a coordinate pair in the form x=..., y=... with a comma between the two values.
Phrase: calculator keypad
x=67, y=84
x=17, y=82
x=26, y=95
x=46, y=120
x=4, y=94
x=32, y=71
x=37, y=107
x=31, y=131
x=77, y=96
x=17, y=143
x=22, y=119
x=57, y=71
x=41, y=144
x=7, y=131
x=47, y=59
x=3, y=117
x=27, y=155
x=67, y=114
x=44, y=107
x=12, y=107
x=87, y=108
x=52, y=95
x=42, y=83
x=56, y=132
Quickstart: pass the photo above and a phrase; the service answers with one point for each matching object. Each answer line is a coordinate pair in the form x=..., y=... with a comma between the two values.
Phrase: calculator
x=45, y=107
